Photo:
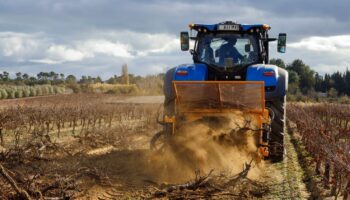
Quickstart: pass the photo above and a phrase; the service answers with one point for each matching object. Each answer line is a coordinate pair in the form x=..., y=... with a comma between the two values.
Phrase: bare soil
x=130, y=170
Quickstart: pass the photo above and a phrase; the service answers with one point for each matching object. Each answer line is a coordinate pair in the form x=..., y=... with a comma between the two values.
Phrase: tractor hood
x=275, y=78
x=199, y=72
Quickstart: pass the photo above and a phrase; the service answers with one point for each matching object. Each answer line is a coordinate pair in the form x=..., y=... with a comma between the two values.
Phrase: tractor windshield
x=220, y=49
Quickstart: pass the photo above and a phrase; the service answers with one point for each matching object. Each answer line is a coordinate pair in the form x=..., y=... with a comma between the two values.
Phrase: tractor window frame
x=257, y=37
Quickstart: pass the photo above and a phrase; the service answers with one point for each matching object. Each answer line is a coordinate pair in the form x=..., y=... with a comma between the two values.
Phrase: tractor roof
x=228, y=25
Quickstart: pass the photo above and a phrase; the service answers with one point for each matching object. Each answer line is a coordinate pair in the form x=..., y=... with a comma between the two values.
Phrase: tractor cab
x=231, y=47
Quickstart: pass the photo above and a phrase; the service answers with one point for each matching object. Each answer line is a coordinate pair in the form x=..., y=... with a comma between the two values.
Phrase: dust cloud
x=223, y=144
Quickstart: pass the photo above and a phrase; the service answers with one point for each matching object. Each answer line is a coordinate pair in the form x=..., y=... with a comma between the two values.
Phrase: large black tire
x=278, y=127
x=155, y=140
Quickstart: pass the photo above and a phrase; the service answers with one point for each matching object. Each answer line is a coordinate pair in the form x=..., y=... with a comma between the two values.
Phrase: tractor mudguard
x=185, y=72
x=281, y=87
x=275, y=78
x=191, y=72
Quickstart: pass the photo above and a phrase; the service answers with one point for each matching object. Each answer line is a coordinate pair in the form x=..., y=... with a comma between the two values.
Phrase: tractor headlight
x=266, y=27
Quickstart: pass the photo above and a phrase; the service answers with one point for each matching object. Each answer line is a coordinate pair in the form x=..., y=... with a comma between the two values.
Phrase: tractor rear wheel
x=277, y=129
x=157, y=141
x=160, y=139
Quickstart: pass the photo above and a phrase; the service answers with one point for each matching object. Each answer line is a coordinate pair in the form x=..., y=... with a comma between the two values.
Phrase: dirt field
x=116, y=163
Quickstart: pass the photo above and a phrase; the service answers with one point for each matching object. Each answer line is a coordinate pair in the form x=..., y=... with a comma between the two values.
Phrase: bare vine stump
x=318, y=166
x=1, y=138
x=326, y=175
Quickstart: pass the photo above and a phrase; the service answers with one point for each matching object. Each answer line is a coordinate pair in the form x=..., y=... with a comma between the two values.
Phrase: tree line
x=305, y=81
x=44, y=78
x=151, y=84
x=53, y=78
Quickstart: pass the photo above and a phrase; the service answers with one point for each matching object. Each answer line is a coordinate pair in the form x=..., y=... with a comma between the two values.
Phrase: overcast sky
x=95, y=37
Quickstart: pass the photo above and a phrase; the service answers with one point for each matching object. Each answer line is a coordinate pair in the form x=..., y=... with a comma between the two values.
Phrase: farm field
x=322, y=134
x=97, y=147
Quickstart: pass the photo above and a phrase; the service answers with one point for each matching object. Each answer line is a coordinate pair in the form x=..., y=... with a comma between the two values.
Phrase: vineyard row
x=324, y=130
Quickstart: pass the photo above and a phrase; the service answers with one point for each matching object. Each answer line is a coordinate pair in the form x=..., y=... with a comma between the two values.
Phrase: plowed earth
x=192, y=168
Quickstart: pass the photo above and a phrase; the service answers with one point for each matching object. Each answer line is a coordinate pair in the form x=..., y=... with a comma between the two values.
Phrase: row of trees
x=304, y=80
x=44, y=78
x=53, y=78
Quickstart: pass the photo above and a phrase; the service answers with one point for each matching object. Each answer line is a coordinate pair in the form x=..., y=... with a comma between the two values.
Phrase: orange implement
x=218, y=96
x=196, y=99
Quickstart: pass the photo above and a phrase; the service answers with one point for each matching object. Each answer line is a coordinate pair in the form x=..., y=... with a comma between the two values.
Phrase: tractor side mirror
x=282, y=42
x=247, y=48
x=185, y=41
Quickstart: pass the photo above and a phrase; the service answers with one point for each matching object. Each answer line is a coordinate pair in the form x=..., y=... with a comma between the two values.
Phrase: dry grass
x=117, y=89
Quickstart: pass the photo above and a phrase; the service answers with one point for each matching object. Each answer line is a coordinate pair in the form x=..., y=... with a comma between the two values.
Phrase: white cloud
x=324, y=44
x=102, y=46
x=144, y=44
x=18, y=44
x=44, y=61
x=164, y=47
x=64, y=53
x=81, y=50
x=37, y=48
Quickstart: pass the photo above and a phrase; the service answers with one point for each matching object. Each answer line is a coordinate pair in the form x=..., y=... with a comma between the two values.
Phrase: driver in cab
x=229, y=50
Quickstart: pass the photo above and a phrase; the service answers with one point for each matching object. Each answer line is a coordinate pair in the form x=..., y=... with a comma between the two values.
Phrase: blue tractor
x=230, y=71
